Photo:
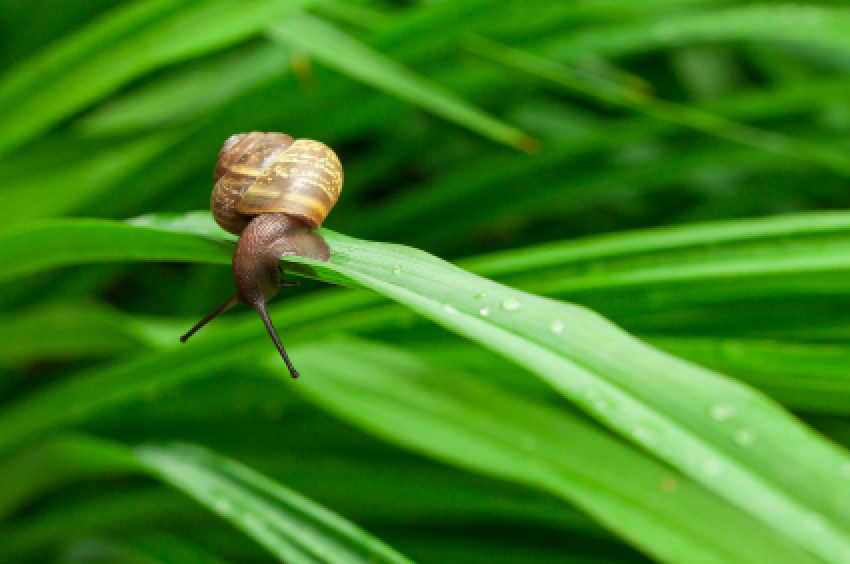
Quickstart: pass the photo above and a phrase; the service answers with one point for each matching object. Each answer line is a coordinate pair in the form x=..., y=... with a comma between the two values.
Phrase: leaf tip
x=528, y=144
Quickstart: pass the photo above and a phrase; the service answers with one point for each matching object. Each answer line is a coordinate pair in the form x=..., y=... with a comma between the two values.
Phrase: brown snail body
x=272, y=191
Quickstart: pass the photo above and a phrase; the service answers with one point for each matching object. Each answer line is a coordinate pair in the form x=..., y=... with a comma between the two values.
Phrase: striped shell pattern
x=271, y=172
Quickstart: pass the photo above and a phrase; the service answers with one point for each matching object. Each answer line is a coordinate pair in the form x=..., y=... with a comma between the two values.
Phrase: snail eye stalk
x=228, y=303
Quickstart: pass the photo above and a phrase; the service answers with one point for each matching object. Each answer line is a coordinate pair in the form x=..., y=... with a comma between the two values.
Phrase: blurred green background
x=475, y=130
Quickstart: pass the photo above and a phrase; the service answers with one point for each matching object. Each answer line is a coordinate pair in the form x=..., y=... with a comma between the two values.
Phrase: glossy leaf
x=290, y=526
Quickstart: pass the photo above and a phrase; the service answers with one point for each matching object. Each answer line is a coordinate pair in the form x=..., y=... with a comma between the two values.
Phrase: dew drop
x=598, y=402
x=723, y=411
x=485, y=311
x=510, y=304
x=602, y=405
x=223, y=506
x=711, y=467
x=449, y=308
x=745, y=437
x=644, y=435
x=480, y=295
x=253, y=522
x=397, y=270
x=557, y=326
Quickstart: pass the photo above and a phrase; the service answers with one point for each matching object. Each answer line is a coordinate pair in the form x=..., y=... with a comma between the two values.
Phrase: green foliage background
x=678, y=167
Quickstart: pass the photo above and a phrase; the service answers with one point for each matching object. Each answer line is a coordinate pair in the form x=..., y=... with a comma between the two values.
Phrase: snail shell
x=273, y=173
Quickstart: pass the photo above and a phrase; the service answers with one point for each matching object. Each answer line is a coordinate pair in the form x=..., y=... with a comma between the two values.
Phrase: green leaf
x=803, y=376
x=347, y=55
x=820, y=26
x=612, y=92
x=458, y=418
x=48, y=244
x=55, y=462
x=184, y=94
x=151, y=550
x=66, y=187
x=684, y=415
x=92, y=551
x=121, y=46
x=78, y=398
x=65, y=331
x=687, y=416
x=289, y=525
x=36, y=538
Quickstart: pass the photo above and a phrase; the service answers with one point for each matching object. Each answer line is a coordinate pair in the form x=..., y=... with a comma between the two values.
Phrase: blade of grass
x=678, y=412
x=64, y=189
x=803, y=376
x=791, y=255
x=287, y=524
x=819, y=26
x=80, y=397
x=345, y=54
x=64, y=331
x=37, y=245
x=36, y=538
x=684, y=415
x=457, y=418
x=644, y=249
x=120, y=46
x=642, y=101
x=94, y=551
x=148, y=551
x=187, y=92
x=313, y=454
x=56, y=462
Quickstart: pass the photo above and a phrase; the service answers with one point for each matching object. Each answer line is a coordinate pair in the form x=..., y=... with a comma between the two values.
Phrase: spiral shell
x=270, y=172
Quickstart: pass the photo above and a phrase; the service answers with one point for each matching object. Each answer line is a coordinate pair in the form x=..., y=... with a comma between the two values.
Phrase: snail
x=272, y=191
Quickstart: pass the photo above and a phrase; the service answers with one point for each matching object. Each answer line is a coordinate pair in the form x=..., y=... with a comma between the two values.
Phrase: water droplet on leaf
x=712, y=467
x=485, y=311
x=253, y=522
x=510, y=304
x=223, y=506
x=745, y=437
x=723, y=411
x=557, y=326
x=644, y=435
